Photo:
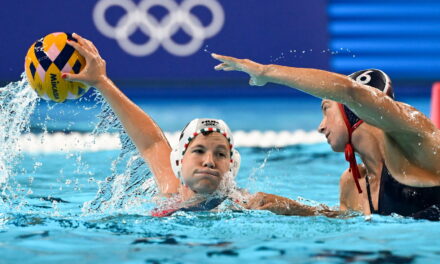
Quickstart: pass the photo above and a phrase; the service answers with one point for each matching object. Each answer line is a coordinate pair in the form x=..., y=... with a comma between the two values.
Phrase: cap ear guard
x=176, y=163
x=235, y=164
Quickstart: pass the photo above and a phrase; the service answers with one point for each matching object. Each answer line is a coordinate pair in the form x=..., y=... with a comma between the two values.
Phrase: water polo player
x=398, y=145
x=199, y=173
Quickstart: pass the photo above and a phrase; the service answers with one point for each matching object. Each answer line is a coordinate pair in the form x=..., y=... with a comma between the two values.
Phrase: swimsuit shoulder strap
x=384, y=174
x=370, y=200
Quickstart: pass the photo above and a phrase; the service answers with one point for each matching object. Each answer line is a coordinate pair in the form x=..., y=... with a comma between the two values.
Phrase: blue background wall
x=261, y=30
x=400, y=37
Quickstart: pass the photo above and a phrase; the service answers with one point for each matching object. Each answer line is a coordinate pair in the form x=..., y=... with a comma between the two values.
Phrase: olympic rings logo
x=159, y=32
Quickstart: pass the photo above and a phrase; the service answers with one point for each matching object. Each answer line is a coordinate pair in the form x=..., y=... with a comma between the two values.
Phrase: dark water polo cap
x=374, y=78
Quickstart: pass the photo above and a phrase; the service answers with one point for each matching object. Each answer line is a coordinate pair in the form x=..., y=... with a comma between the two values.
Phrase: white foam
x=63, y=142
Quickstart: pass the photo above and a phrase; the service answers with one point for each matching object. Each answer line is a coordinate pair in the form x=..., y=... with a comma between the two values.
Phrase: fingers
x=220, y=66
x=95, y=69
x=91, y=46
x=71, y=77
x=216, y=56
x=77, y=37
x=79, y=48
x=81, y=41
x=224, y=67
x=234, y=64
x=222, y=58
x=84, y=46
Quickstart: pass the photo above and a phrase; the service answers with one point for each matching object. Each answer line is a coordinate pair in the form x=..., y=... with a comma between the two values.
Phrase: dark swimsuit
x=203, y=206
x=395, y=197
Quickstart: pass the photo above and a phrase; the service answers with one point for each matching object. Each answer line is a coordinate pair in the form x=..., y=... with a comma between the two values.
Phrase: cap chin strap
x=349, y=149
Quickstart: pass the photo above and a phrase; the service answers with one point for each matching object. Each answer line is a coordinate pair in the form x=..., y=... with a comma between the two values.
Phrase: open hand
x=255, y=70
x=95, y=70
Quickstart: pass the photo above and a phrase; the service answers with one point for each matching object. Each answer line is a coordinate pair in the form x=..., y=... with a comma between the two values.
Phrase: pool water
x=88, y=206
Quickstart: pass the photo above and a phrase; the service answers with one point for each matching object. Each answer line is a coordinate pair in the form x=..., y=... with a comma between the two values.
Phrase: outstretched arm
x=409, y=128
x=371, y=105
x=144, y=132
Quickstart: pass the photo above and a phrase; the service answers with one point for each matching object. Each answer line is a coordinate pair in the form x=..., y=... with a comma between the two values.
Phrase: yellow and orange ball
x=46, y=60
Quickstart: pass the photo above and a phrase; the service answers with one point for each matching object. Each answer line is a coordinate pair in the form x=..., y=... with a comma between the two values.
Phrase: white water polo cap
x=192, y=130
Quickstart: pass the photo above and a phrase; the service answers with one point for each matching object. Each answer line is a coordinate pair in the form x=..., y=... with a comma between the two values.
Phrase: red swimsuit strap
x=349, y=149
x=163, y=213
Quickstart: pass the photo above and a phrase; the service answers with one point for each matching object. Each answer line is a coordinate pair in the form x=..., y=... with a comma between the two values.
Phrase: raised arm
x=144, y=132
x=400, y=121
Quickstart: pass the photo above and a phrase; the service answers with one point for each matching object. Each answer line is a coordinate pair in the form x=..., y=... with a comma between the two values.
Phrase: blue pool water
x=47, y=214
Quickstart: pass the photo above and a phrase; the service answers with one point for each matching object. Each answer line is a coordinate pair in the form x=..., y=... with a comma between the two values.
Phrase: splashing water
x=17, y=103
x=130, y=186
x=130, y=179
x=300, y=53
x=258, y=172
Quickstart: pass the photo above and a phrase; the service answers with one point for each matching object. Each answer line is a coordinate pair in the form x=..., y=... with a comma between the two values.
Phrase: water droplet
x=354, y=56
x=420, y=143
x=37, y=164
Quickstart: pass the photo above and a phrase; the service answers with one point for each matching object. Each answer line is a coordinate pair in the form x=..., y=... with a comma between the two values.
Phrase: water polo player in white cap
x=399, y=146
x=198, y=174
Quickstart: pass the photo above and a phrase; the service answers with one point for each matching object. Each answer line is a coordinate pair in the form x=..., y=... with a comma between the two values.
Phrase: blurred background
x=158, y=53
x=154, y=50
x=61, y=163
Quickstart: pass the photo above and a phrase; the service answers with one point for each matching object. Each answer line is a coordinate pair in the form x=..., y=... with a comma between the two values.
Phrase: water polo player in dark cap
x=398, y=145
